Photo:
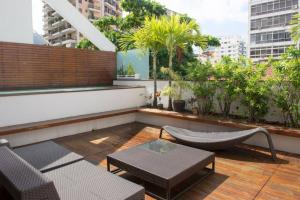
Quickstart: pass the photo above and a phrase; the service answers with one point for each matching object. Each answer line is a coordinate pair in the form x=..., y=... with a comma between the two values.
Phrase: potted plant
x=175, y=91
x=130, y=71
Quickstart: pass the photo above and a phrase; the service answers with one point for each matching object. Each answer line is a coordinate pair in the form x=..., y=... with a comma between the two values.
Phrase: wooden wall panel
x=25, y=66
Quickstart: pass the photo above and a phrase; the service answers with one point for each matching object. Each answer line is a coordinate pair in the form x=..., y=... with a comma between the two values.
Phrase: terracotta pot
x=178, y=105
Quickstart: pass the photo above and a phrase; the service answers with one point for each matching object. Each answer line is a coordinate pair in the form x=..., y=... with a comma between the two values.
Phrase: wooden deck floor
x=241, y=173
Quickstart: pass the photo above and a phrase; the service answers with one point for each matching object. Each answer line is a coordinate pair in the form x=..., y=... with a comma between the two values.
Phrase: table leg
x=168, y=195
x=209, y=172
x=108, y=165
x=213, y=167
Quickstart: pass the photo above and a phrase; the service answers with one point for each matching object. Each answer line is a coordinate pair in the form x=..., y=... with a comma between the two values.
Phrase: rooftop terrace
x=244, y=172
x=69, y=114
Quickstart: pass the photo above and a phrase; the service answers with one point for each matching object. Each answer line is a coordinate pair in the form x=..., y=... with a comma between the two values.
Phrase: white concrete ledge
x=23, y=109
x=282, y=143
x=36, y=136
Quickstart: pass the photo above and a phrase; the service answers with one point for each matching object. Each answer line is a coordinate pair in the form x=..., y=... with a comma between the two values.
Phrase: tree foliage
x=184, y=56
x=230, y=82
x=146, y=38
x=256, y=91
x=287, y=86
x=175, y=91
x=115, y=27
x=138, y=10
x=86, y=44
x=175, y=34
x=202, y=86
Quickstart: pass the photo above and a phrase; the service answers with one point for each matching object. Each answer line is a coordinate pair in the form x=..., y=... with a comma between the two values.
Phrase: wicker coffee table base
x=168, y=195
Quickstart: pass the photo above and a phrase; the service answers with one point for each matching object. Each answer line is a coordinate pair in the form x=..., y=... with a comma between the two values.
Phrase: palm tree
x=147, y=37
x=176, y=33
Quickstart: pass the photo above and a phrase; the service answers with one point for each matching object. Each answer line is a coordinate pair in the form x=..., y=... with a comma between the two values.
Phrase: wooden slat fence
x=26, y=66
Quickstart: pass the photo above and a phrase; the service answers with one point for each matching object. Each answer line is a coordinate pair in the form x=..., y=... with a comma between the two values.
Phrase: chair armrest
x=21, y=180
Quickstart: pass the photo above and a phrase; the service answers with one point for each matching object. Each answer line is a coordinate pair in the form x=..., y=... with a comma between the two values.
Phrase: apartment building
x=58, y=32
x=232, y=45
x=269, y=27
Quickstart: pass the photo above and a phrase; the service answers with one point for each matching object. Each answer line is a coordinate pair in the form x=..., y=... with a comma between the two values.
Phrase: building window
x=270, y=22
x=265, y=52
x=270, y=37
x=273, y=6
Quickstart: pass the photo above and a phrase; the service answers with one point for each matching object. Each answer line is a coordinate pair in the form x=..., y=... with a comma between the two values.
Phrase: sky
x=216, y=17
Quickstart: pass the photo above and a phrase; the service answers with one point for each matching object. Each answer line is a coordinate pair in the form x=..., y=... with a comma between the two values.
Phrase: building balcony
x=68, y=30
x=47, y=18
x=46, y=37
x=110, y=5
x=59, y=22
x=56, y=34
x=69, y=40
x=57, y=44
x=61, y=31
x=55, y=14
x=47, y=9
x=93, y=7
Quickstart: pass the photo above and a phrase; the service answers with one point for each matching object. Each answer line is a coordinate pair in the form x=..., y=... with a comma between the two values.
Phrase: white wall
x=148, y=85
x=16, y=21
x=283, y=143
x=40, y=135
x=40, y=107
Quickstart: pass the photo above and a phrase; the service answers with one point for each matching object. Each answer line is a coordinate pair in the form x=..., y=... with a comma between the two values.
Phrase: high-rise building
x=207, y=55
x=269, y=27
x=58, y=32
x=232, y=46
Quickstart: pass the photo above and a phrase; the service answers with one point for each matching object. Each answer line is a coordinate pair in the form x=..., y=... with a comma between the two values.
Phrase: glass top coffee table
x=164, y=164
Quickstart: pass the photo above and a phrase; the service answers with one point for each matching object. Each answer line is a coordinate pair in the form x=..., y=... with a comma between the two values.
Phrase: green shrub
x=287, y=86
x=230, y=81
x=256, y=91
x=201, y=85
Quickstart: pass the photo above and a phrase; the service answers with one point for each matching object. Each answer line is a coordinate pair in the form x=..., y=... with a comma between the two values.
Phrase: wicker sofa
x=66, y=179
